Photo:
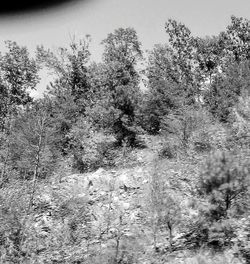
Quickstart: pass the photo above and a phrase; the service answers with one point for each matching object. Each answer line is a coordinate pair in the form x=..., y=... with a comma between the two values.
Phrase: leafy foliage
x=121, y=53
x=18, y=75
x=226, y=89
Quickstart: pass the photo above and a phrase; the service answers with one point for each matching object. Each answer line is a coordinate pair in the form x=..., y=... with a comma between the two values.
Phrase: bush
x=209, y=137
x=242, y=240
x=188, y=124
x=225, y=183
x=208, y=258
x=225, y=90
x=224, y=197
x=13, y=212
x=89, y=148
x=240, y=124
x=169, y=150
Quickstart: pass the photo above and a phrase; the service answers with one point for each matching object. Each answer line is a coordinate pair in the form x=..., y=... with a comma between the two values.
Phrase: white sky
x=53, y=28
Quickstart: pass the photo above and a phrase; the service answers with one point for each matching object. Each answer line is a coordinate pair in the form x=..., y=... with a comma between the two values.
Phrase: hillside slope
x=116, y=205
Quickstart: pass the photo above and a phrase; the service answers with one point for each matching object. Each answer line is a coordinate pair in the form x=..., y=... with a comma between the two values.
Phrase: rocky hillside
x=146, y=210
x=113, y=210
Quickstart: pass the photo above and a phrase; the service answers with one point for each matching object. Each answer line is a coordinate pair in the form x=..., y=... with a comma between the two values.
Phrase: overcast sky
x=53, y=27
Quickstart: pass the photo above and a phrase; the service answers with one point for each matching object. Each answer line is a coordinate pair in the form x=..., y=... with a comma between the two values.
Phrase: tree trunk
x=5, y=165
x=7, y=132
x=37, y=163
x=155, y=235
x=117, y=249
x=118, y=238
x=170, y=236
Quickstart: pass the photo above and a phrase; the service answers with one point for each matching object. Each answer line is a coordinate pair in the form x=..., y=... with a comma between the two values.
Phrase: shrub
x=240, y=124
x=208, y=258
x=224, y=189
x=190, y=125
x=209, y=137
x=225, y=182
x=13, y=212
x=89, y=147
x=225, y=90
x=164, y=207
x=242, y=240
x=169, y=150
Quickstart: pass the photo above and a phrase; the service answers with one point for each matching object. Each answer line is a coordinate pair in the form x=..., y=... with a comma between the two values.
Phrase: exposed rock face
x=112, y=200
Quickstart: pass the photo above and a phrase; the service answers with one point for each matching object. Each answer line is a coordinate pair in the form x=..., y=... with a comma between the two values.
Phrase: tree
x=122, y=46
x=101, y=110
x=32, y=153
x=183, y=46
x=69, y=65
x=225, y=90
x=164, y=208
x=18, y=75
x=165, y=94
x=70, y=91
x=159, y=102
x=121, y=54
x=237, y=39
x=209, y=55
x=176, y=74
x=161, y=64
